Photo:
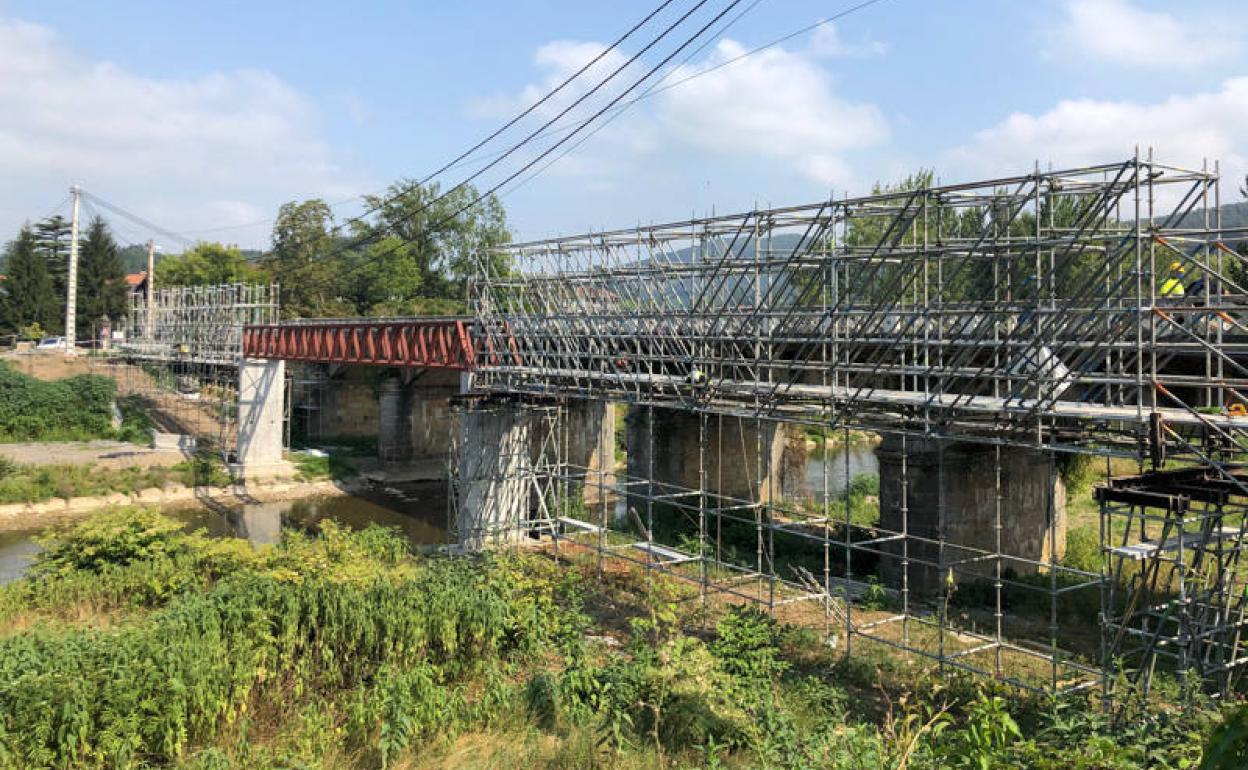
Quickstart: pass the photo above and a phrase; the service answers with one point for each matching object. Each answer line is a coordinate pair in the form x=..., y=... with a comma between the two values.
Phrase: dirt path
x=106, y=454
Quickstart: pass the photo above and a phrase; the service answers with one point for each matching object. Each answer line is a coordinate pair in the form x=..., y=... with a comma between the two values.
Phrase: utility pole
x=151, y=280
x=71, y=278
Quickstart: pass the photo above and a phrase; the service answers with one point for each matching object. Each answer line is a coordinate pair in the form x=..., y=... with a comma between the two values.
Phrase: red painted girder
x=428, y=344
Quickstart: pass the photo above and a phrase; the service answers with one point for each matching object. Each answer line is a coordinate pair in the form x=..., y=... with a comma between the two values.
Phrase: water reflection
x=417, y=510
x=843, y=464
x=420, y=514
x=17, y=551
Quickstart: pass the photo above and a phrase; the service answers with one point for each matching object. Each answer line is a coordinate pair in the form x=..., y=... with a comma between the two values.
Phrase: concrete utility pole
x=151, y=280
x=71, y=278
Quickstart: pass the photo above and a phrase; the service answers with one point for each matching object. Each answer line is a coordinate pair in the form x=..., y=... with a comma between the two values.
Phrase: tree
x=303, y=259
x=52, y=243
x=28, y=294
x=206, y=264
x=413, y=257
x=101, y=279
x=444, y=238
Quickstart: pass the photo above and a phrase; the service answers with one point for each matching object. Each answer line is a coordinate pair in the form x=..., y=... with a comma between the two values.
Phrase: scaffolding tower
x=1027, y=313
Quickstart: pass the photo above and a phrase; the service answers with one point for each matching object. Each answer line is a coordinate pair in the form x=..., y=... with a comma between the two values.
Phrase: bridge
x=988, y=331
x=425, y=343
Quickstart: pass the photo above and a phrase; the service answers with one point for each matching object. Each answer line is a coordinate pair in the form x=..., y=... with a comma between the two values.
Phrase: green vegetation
x=206, y=264
x=325, y=466
x=39, y=483
x=163, y=648
x=29, y=300
x=74, y=408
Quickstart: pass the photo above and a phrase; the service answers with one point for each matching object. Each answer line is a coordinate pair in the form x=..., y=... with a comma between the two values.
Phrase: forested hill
x=134, y=257
x=1233, y=215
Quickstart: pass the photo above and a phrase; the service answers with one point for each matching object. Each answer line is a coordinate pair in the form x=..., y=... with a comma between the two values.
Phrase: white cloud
x=1183, y=130
x=174, y=148
x=827, y=41
x=777, y=105
x=1118, y=31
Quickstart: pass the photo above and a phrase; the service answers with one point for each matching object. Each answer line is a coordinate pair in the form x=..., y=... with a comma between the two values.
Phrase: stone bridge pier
x=414, y=415
x=953, y=491
x=743, y=460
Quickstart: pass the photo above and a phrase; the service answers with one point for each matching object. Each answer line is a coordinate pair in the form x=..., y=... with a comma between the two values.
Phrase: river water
x=843, y=464
x=418, y=510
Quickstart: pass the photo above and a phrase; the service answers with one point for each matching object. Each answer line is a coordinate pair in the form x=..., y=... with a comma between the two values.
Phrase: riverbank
x=341, y=650
x=14, y=516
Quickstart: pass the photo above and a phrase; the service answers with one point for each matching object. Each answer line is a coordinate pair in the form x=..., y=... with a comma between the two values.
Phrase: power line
x=138, y=220
x=482, y=196
x=380, y=231
x=657, y=89
x=461, y=158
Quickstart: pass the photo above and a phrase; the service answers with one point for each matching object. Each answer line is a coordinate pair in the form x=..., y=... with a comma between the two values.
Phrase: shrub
x=62, y=410
x=1083, y=549
x=117, y=537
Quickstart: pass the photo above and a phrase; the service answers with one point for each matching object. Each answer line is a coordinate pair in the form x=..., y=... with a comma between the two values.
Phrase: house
x=136, y=284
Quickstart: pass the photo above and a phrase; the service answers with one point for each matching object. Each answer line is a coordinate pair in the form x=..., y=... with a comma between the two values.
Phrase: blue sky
x=205, y=117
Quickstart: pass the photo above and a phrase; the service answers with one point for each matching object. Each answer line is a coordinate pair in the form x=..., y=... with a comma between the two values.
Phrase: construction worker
x=1172, y=286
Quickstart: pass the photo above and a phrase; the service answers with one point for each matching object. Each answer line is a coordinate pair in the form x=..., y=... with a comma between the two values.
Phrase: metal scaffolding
x=180, y=356
x=1026, y=317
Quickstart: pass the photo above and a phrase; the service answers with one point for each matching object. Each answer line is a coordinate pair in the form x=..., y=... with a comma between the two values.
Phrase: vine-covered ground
x=135, y=644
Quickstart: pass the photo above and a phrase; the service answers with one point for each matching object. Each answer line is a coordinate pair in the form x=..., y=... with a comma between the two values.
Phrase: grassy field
x=135, y=644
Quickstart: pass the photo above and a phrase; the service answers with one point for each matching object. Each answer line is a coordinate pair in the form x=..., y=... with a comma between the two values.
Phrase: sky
x=203, y=118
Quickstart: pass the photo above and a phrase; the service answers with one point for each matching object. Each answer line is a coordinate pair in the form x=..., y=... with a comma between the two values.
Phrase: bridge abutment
x=261, y=408
x=953, y=502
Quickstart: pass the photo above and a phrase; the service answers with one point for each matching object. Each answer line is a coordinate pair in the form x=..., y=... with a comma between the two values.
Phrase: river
x=418, y=510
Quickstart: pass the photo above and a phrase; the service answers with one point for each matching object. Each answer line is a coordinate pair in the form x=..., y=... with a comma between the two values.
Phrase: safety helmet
x=1176, y=266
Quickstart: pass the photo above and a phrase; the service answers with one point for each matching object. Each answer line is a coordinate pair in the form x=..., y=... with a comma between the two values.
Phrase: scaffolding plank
x=1145, y=549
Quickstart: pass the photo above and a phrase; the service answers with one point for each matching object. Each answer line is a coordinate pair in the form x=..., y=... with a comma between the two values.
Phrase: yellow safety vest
x=1172, y=287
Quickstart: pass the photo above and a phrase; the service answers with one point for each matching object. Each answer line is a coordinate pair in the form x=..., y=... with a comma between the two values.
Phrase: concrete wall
x=495, y=475
x=743, y=459
x=1032, y=495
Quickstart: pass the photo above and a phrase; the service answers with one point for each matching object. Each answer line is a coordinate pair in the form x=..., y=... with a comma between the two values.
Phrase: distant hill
x=134, y=257
x=1233, y=215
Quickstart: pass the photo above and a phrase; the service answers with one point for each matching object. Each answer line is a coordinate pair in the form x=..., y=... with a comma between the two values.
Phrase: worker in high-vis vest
x=1172, y=287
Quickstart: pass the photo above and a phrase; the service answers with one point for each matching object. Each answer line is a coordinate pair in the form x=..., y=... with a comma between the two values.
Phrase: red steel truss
x=443, y=343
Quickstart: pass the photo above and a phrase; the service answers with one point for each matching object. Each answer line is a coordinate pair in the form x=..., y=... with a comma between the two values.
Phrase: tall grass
x=343, y=650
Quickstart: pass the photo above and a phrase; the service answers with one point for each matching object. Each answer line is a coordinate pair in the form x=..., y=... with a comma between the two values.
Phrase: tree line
x=32, y=294
x=411, y=257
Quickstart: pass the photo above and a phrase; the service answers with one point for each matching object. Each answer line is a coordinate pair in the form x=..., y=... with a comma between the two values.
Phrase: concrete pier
x=495, y=475
x=744, y=459
x=1032, y=501
x=261, y=407
x=517, y=461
